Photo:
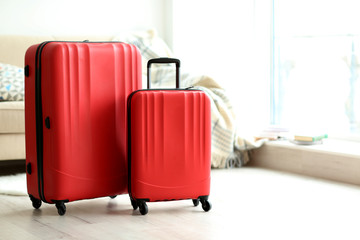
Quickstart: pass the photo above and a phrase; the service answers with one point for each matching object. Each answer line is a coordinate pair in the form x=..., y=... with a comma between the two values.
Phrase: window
x=315, y=61
x=229, y=41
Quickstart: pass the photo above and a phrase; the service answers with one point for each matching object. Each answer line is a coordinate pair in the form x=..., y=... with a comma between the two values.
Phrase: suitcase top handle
x=165, y=61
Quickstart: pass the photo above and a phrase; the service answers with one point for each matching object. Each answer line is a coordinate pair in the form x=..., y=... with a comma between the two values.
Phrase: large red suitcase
x=169, y=144
x=75, y=113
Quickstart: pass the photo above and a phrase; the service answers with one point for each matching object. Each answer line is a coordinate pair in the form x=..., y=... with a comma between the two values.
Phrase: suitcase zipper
x=39, y=121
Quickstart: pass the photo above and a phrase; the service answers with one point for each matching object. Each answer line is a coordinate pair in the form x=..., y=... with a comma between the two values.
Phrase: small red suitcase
x=169, y=144
x=75, y=119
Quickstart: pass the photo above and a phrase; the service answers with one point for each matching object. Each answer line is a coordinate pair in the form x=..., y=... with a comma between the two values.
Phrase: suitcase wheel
x=61, y=208
x=196, y=202
x=134, y=204
x=143, y=207
x=205, y=204
x=112, y=197
x=35, y=202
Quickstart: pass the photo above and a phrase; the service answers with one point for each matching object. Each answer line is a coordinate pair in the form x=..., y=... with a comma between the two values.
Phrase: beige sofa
x=12, y=130
x=12, y=123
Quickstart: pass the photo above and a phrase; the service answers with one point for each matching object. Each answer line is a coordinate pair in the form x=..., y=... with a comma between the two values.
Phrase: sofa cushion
x=12, y=146
x=11, y=83
x=12, y=118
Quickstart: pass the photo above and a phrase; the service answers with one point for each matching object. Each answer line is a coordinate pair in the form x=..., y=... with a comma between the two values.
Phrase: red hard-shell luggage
x=75, y=119
x=169, y=144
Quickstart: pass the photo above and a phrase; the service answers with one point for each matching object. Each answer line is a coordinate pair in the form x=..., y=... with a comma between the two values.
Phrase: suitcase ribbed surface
x=84, y=87
x=171, y=144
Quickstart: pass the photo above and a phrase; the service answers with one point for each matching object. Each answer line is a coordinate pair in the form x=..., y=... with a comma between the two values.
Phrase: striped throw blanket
x=228, y=148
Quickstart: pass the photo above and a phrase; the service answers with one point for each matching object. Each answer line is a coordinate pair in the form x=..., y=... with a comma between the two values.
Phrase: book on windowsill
x=273, y=133
x=306, y=142
x=310, y=138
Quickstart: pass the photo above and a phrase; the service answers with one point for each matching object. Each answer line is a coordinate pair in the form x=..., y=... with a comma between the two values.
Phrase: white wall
x=81, y=17
x=226, y=39
x=229, y=40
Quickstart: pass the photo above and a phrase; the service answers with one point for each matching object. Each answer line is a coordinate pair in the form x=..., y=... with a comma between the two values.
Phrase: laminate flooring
x=247, y=203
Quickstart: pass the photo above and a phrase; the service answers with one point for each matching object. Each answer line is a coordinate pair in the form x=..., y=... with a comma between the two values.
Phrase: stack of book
x=273, y=133
x=309, y=139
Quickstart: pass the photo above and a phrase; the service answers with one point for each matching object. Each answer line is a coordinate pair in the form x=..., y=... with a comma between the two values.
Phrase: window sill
x=333, y=160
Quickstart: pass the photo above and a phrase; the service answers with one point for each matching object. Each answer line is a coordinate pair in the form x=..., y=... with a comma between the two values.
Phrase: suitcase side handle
x=165, y=61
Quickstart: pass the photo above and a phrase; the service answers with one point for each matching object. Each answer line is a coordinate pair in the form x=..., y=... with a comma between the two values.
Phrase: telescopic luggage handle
x=166, y=61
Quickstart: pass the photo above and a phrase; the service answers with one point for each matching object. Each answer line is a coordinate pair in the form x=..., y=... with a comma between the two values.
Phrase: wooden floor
x=248, y=203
